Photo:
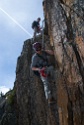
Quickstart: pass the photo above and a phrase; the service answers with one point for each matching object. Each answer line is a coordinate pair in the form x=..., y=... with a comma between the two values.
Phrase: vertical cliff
x=29, y=89
x=64, y=27
x=65, y=19
x=32, y=105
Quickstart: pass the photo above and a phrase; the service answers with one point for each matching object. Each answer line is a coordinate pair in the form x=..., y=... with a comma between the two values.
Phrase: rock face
x=29, y=90
x=66, y=30
x=65, y=27
x=8, y=110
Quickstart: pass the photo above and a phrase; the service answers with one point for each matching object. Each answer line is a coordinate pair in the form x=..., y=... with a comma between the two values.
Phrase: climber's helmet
x=37, y=46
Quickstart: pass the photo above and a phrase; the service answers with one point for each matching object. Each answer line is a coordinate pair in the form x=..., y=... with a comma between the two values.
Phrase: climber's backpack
x=34, y=24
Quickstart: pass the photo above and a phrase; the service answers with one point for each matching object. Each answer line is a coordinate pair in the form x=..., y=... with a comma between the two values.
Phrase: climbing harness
x=43, y=73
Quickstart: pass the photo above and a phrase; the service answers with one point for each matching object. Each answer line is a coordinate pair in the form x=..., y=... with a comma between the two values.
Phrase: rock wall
x=8, y=109
x=29, y=89
x=65, y=23
x=32, y=106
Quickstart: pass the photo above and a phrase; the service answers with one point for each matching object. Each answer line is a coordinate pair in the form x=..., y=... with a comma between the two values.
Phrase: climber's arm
x=35, y=69
x=49, y=52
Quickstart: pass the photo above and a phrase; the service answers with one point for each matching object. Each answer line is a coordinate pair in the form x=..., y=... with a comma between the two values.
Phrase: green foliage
x=10, y=97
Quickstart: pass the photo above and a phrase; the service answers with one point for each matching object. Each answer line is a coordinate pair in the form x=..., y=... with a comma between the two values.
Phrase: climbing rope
x=43, y=26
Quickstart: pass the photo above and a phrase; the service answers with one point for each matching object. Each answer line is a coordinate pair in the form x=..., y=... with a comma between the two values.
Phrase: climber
x=41, y=64
x=36, y=27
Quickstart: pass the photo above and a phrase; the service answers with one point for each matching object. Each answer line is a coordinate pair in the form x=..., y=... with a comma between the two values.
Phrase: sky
x=16, y=17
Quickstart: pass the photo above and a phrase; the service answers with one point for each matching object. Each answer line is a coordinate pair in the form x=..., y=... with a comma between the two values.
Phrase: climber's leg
x=51, y=72
x=35, y=32
x=46, y=87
